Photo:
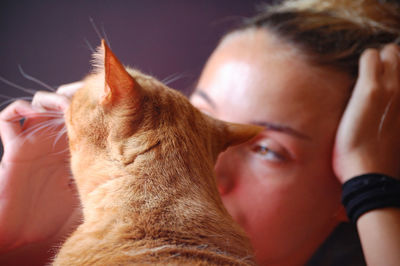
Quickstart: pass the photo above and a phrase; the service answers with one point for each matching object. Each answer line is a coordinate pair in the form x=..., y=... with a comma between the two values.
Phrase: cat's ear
x=238, y=133
x=118, y=83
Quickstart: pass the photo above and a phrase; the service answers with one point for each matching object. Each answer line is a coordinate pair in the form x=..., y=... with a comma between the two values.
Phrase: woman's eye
x=267, y=153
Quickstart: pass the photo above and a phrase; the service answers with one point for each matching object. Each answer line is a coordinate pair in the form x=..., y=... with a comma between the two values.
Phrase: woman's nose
x=225, y=172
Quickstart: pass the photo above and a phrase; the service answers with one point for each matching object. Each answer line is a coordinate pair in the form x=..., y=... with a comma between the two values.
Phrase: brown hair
x=332, y=32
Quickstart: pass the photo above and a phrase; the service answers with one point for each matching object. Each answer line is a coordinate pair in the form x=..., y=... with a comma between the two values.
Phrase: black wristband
x=368, y=192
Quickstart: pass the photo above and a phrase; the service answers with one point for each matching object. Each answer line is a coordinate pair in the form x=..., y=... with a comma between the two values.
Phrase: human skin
x=38, y=202
x=280, y=187
x=270, y=196
x=373, y=146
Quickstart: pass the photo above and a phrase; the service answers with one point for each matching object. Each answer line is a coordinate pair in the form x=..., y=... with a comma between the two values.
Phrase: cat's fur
x=143, y=159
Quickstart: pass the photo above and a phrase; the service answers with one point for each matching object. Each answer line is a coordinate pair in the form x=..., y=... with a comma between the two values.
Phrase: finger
x=366, y=94
x=389, y=56
x=368, y=88
x=43, y=100
x=69, y=89
x=10, y=125
x=370, y=72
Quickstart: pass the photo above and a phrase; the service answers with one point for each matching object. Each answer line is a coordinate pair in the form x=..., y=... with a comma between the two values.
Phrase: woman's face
x=280, y=186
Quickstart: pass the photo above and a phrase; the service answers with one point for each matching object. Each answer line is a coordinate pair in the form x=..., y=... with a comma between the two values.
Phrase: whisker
x=36, y=116
x=164, y=80
x=89, y=45
x=95, y=28
x=52, y=111
x=53, y=127
x=50, y=125
x=105, y=36
x=37, y=81
x=33, y=130
x=172, y=80
x=37, y=127
x=48, y=114
x=62, y=151
x=46, y=125
x=59, y=113
x=58, y=121
x=11, y=84
x=174, y=77
x=11, y=99
x=60, y=134
x=6, y=96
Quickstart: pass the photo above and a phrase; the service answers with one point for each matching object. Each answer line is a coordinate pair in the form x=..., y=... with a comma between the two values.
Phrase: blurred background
x=169, y=39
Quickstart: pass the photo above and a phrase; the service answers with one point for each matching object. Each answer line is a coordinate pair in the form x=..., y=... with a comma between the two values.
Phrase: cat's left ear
x=235, y=134
x=118, y=83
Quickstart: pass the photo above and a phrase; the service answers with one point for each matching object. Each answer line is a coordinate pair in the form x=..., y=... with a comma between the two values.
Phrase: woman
x=271, y=73
x=292, y=69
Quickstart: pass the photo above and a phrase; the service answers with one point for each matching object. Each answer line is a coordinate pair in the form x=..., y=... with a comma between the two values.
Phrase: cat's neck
x=150, y=181
x=171, y=199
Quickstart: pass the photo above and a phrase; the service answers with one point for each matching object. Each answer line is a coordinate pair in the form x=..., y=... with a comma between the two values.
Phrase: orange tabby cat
x=143, y=159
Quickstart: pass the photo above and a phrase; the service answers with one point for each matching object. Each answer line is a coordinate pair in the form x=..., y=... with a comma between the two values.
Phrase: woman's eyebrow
x=205, y=97
x=281, y=128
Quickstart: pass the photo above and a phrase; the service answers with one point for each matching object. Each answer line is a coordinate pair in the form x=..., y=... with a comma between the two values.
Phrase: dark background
x=160, y=37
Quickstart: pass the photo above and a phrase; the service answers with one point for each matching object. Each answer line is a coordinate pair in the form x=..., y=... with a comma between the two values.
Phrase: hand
x=368, y=137
x=37, y=197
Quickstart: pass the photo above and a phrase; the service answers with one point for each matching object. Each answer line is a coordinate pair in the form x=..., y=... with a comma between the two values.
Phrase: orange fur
x=143, y=159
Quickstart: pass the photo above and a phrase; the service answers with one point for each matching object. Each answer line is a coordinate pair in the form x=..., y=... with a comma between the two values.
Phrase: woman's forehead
x=262, y=73
x=262, y=80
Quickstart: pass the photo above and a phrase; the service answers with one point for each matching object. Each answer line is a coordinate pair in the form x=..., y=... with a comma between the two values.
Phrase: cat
x=142, y=158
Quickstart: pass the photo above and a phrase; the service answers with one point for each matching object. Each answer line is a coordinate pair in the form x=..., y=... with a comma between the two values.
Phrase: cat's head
x=120, y=114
